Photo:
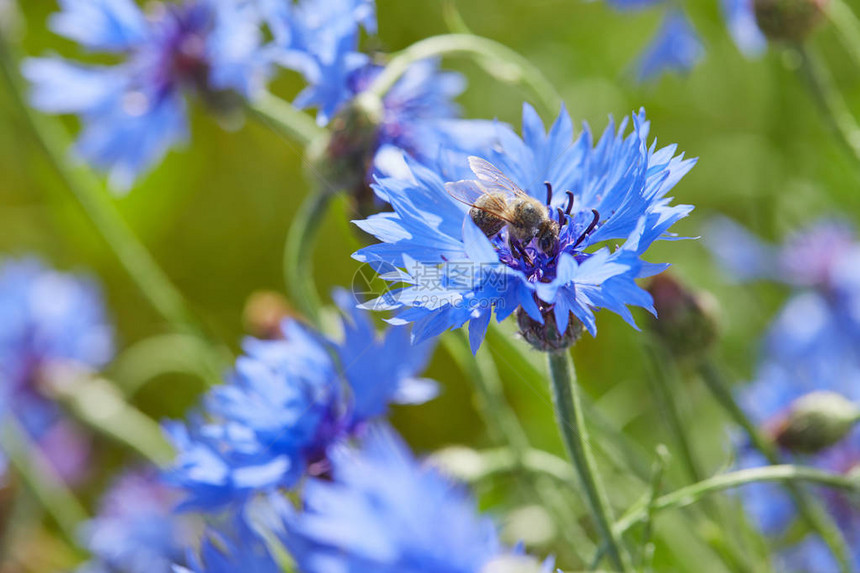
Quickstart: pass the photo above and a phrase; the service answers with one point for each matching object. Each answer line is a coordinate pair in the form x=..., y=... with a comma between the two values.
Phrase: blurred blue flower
x=633, y=4
x=741, y=21
x=675, y=48
x=383, y=511
x=612, y=191
x=419, y=117
x=287, y=402
x=136, y=530
x=48, y=319
x=134, y=111
x=811, y=345
x=237, y=549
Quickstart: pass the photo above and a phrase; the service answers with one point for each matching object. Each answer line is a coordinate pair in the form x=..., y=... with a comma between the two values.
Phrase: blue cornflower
x=48, y=319
x=455, y=273
x=133, y=112
x=741, y=21
x=810, y=346
x=417, y=117
x=320, y=40
x=675, y=48
x=136, y=530
x=287, y=402
x=382, y=511
x=239, y=549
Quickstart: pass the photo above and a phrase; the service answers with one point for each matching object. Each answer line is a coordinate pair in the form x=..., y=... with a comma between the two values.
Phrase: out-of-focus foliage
x=215, y=215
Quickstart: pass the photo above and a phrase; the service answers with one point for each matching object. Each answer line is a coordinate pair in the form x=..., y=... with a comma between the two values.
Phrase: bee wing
x=469, y=191
x=493, y=179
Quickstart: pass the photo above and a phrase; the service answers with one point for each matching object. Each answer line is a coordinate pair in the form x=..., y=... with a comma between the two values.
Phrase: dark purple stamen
x=590, y=228
x=548, y=193
x=569, y=202
x=561, y=215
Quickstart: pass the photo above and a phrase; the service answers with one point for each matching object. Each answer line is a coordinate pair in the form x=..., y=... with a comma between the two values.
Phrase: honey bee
x=495, y=202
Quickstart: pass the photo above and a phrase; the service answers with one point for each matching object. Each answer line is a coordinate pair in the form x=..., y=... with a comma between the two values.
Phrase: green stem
x=810, y=511
x=847, y=26
x=285, y=119
x=663, y=383
x=686, y=496
x=613, y=444
x=568, y=411
x=298, y=254
x=40, y=477
x=134, y=257
x=830, y=102
x=152, y=357
x=498, y=415
x=504, y=428
x=496, y=58
x=100, y=405
x=647, y=556
x=486, y=464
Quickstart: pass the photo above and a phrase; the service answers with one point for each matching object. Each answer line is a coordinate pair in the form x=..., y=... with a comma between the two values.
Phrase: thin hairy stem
x=831, y=103
x=568, y=411
x=686, y=496
x=504, y=427
x=285, y=119
x=39, y=476
x=497, y=59
x=298, y=254
x=847, y=26
x=817, y=518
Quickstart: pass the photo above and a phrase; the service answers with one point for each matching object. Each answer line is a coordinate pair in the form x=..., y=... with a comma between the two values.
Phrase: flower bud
x=264, y=311
x=546, y=337
x=815, y=422
x=347, y=156
x=686, y=320
x=788, y=20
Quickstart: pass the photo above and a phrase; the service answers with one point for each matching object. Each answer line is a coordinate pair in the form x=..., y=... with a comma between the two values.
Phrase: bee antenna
x=548, y=193
x=591, y=226
x=569, y=202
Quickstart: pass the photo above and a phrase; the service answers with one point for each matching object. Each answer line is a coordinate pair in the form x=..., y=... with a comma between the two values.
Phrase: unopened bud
x=546, y=337
x=815, y=422
x=788, y=20
x=347, y=156
x=686, y=320
x=264, y=311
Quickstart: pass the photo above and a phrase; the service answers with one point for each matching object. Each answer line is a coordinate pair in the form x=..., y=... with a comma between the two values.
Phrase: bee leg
x=520, y=251
x=548, y=193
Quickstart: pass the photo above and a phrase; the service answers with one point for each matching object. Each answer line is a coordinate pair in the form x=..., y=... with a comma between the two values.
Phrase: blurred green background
x=215, y=215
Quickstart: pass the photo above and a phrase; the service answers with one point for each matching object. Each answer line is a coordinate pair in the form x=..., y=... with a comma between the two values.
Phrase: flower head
x=809, y=354
x=48, y=318
x=133, y=112
x=676, y=48
x=136, y=530
x=288, y=401
x=383, y=511
x=237, y=549
x=741, y=21
x=459, y=264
